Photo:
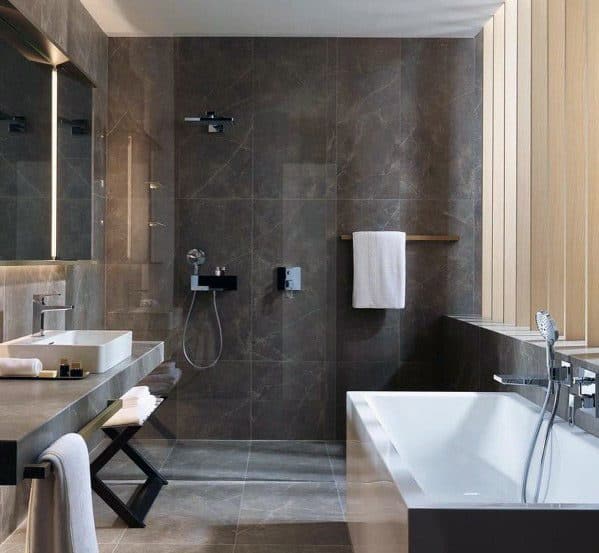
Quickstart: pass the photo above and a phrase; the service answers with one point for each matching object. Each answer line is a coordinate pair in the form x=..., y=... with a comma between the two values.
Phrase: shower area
x=328, y=136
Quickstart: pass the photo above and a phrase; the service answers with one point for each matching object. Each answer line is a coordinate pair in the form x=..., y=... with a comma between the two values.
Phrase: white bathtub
x=441, y=472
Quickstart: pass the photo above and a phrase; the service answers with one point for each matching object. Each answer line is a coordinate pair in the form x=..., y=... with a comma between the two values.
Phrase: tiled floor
x=231, y=497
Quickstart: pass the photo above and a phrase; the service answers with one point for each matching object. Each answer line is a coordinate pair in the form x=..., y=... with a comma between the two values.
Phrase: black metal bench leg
x=115, y=503
x=148, y=468
x=138, y=506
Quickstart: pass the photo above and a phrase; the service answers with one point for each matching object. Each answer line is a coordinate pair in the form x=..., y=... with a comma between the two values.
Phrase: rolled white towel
x=136, y=415
x=11, y=366
x=133, y=397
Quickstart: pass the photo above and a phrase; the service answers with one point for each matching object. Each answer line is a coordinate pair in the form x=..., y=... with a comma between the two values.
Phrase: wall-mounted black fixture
x=78, y=126
x=210, y=283
x=215, y=123
x=16, y=123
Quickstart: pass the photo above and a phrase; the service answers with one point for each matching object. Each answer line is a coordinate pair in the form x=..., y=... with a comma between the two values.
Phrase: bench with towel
x=138, y=405
x=62, y=482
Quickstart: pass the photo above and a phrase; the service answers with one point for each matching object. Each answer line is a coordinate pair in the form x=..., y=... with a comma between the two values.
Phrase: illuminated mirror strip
x=54, y=161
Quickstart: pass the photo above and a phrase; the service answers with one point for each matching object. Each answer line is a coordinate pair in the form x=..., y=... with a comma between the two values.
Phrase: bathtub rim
x=411, y=493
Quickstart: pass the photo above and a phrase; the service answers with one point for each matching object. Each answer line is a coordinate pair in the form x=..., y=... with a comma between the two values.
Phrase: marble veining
x=330, y=136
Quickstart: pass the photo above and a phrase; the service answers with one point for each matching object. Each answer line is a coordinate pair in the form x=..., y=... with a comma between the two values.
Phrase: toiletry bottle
x=64, y=368
x=76, y=370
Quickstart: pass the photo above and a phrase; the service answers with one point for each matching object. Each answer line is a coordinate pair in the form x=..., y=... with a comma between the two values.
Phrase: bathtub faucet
x=559, y=375
x=556, y=374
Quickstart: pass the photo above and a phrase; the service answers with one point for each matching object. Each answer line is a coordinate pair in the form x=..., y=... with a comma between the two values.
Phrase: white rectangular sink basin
x=96, y=350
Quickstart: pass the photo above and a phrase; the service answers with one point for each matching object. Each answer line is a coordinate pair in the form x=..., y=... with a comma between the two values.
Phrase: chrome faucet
x=561, y=374
x=40, y=308
x=581, y=394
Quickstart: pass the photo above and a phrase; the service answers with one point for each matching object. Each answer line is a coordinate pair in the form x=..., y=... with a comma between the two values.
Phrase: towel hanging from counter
x=61, y=517
x=379, y=270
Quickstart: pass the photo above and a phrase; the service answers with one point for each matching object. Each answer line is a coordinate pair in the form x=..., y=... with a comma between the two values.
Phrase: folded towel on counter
x=136, y=415
x=10, y=366
x=379, y=270
x=135, y=395
x=61, y=517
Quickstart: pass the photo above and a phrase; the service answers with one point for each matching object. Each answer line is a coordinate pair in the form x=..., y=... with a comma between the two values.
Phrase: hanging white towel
x=379, y=270
x=61, y=517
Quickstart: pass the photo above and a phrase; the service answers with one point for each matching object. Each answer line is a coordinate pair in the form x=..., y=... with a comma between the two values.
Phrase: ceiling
x=352, y=18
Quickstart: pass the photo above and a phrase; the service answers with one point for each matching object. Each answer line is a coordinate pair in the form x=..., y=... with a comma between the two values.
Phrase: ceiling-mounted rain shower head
x=215, y=123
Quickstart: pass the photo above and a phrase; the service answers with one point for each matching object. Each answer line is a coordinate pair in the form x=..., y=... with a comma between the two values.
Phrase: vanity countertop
x=35, y=413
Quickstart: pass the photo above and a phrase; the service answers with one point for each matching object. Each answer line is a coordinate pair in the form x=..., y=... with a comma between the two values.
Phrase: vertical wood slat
x=487, y=190
x=593, y=173
x=523, y=164
x=576, y=152
x=510, y=161
x=539, y=221
x=556, y=133
x=498, y=162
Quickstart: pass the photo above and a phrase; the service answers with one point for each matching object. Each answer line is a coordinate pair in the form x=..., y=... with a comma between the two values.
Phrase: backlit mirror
x=45, y=147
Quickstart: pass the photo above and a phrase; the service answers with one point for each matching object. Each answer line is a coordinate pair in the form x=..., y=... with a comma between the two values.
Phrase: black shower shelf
x=210, y=283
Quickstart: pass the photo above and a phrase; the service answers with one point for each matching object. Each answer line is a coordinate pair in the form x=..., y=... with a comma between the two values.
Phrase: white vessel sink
x=96, y=350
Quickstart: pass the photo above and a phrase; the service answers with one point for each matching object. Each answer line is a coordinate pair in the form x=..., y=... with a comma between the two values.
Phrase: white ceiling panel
x=349, y=18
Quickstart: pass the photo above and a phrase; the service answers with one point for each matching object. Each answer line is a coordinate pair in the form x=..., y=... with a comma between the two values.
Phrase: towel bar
x=420, y=237
x=39, y=471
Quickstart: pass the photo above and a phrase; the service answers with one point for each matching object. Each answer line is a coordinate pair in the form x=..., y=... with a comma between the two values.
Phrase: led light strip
x=54, y=161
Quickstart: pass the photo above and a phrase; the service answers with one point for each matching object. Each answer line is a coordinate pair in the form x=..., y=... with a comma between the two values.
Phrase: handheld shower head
x=195, y=258
x=548, y=329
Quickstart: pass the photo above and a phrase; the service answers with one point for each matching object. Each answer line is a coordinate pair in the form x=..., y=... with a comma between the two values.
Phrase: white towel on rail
x=379, y=270
x=61, y=517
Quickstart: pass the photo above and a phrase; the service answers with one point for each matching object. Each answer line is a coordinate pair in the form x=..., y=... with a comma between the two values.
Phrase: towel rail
x=39, y=471
x=419, y=237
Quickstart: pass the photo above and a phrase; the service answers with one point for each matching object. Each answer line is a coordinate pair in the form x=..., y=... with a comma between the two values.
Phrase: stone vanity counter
x=35, y=413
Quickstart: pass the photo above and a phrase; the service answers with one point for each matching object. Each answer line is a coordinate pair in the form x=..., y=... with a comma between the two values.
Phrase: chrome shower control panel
x=289, y=278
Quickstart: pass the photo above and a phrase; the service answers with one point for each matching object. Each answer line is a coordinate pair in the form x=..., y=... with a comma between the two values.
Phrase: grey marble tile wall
x=68, y=25
x=330, y=136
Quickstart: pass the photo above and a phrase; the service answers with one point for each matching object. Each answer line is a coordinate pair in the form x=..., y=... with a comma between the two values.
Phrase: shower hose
x=535, y=437
x=220, y=334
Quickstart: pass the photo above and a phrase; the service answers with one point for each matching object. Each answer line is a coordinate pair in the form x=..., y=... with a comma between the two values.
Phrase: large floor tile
x=336, y=451
x=109, y=527
x=120, y=467
x=291, y=513
x=162, y=548
x=289, y=461
x=270, y=548
x=188, y=513
x=208, y=460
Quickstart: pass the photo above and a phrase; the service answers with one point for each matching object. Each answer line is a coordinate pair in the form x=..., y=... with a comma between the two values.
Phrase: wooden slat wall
x=487, y=191
x=523, y=163
x=541, y=164
x=593, y=172
x=498, y=162
x=510, y=162
x=556, y=148
x=576, y=181
x=538, y=146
